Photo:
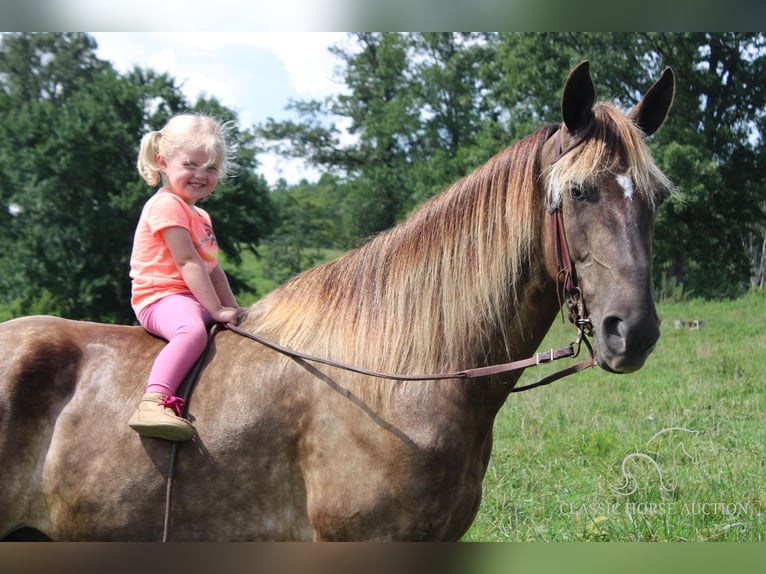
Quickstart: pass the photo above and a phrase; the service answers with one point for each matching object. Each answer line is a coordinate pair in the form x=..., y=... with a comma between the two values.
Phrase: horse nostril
x=614, y=334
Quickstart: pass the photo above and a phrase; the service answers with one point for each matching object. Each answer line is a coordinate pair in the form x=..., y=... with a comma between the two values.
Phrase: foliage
x=670, y=290
x=307, y=223
x=714, y=151
x=413, y=114
x=69, y=133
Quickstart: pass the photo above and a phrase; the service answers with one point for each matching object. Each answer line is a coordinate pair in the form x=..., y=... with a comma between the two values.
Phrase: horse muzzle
x=624, y=342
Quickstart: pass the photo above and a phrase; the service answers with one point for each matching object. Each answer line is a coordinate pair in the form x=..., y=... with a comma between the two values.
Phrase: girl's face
x=188, y=174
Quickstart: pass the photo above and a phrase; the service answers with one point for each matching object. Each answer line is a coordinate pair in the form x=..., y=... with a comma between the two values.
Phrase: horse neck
x=461, y=283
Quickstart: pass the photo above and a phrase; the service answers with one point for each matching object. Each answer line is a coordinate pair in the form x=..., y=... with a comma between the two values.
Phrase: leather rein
x=566, y=288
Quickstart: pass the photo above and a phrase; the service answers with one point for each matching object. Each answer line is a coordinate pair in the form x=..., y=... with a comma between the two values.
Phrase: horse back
x=43, y=360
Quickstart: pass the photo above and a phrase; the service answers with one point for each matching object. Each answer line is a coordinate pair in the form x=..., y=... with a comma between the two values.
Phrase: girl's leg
x=183, y=322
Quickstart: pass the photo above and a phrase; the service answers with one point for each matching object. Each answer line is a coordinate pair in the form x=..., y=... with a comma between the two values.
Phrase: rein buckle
x=542, y=358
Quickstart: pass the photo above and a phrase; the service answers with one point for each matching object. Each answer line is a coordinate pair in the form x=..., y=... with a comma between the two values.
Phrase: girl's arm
x=222, y=287
x=195, y=274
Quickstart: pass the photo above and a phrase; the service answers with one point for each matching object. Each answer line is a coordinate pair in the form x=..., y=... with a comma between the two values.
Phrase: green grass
x=253, y=270
x=557, y=463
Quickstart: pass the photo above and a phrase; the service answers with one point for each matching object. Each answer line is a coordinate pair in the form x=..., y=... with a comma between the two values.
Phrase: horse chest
x=382, y=479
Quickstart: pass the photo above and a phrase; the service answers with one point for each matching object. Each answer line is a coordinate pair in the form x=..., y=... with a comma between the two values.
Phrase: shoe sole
x=177, y=434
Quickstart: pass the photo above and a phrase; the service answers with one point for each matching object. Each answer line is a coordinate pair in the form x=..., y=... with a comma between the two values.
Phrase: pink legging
x=183, y=322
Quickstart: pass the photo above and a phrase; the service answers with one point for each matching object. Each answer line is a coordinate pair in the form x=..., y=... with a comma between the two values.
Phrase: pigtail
x=147, y=157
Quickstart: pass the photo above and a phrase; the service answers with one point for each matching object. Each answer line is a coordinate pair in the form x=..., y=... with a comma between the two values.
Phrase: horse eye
x=578, y=193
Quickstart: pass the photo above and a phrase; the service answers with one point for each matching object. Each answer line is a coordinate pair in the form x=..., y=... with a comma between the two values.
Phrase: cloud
x=305, y=55
x=256, y=74
x=306, y=58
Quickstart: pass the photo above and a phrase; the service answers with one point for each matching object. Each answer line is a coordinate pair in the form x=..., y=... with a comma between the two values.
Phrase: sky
x=254, y=73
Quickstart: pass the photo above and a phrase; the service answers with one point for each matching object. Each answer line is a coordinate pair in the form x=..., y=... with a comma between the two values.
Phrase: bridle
x=566, y=288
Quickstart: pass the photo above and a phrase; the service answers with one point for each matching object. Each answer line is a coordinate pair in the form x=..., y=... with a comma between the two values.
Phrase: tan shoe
x=155, y=418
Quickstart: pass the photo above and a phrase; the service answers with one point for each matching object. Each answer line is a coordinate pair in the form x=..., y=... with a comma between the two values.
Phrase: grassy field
x=674, y=452
x=253, y=270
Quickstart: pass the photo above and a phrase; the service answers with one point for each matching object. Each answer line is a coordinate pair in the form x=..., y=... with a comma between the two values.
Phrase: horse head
x=601, y=181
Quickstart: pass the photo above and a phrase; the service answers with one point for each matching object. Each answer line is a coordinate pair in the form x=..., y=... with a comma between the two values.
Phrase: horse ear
x=650, y=113
x=578, y=98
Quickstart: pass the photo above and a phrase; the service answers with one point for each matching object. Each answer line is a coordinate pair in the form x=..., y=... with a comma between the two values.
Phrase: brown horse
x=287, y=449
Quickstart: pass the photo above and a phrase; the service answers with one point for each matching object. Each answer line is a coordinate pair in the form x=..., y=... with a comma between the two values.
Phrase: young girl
x=178, y=288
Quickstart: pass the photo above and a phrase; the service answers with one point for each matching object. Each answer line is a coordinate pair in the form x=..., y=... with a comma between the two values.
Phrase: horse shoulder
x=409, y=473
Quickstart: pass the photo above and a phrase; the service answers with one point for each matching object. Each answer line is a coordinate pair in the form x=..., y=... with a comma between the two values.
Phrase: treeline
x=419, y=110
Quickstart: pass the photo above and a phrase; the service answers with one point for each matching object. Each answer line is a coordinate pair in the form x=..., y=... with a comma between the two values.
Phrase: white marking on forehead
x=627, y=185
x=554, y=196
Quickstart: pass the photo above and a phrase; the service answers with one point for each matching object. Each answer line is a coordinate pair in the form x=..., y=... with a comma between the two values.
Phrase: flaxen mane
x=451, y=270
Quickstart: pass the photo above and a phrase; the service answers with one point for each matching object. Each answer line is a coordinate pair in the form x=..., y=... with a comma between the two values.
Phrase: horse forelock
x=612, y=143
x=433, y=292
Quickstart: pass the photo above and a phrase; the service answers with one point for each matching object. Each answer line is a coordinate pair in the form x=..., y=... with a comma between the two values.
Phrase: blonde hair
x=186, y=131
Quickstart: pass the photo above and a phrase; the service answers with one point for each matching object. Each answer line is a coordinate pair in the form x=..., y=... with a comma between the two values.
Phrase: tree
x=448, y=91
x=413, y=112
x=69, y=133
x=714, y=152
x=308, y=222
x=69, y=127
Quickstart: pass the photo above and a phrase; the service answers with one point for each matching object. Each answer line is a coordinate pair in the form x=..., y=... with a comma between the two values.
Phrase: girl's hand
x=225, y=315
